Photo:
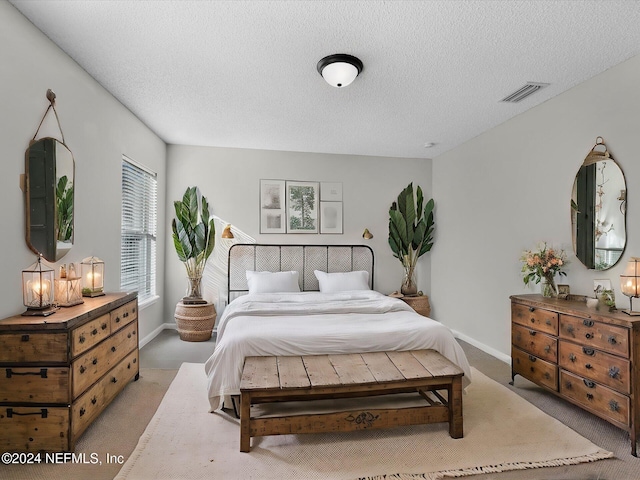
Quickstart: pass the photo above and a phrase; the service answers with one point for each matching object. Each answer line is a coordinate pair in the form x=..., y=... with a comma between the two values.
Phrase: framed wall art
x=331, y=191
x=272, y=206
x=330, y=217
x=302, y=207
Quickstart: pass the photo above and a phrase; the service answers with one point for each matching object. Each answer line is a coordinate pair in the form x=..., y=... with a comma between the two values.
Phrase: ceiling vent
x=523, y=92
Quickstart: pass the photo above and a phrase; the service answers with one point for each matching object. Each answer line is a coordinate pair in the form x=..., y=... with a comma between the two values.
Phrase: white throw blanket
x=312, y=323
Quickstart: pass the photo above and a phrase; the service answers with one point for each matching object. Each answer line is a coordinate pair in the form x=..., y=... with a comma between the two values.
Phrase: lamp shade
x=339, y=70
x=630, y=278
x=37, y=288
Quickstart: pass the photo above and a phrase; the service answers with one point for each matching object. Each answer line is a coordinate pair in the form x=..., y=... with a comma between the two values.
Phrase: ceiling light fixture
x=339, y=70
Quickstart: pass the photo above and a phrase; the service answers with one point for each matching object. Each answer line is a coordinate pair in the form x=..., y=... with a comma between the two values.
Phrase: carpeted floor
x=120, y=426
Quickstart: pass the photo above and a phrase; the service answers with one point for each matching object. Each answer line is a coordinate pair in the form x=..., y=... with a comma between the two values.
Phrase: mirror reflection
x=49, y=197
x=598, y=210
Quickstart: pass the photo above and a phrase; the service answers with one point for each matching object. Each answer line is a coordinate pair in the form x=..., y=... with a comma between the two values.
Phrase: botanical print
x=272, y=206
x=302, y=211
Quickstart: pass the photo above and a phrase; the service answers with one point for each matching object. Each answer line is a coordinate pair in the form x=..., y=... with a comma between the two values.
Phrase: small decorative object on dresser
x=59, y=373
x=542, y=265
x=589, y=357
x=92, y=277
x=37, y=289
x=630, y=283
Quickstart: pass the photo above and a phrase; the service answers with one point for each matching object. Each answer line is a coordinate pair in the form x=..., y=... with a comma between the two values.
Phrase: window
x=139, y=225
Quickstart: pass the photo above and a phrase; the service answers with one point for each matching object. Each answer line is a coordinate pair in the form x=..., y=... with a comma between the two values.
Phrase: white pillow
x=272, y=282
x=342, y=281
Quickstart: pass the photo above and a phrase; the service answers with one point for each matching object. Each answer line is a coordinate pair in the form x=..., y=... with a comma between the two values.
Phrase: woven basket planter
x=420, y=303
x=195, y=322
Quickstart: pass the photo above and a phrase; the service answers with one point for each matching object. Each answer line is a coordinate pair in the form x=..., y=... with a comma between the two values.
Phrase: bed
x=313, y=322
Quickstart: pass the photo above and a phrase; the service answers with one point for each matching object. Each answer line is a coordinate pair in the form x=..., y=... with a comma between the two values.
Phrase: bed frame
x=301, y=258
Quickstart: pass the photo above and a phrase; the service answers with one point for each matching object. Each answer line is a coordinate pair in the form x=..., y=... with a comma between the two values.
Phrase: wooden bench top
x=309, y=372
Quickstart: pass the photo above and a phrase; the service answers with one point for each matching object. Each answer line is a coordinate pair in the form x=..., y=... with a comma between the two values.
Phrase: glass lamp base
x=631, y=312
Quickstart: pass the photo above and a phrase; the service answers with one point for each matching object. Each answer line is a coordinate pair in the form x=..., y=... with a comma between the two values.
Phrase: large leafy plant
x=193, y=233
x=410, y=232
x=64, y=204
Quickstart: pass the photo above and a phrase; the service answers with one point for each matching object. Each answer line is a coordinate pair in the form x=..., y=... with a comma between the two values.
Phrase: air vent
x=523, y=92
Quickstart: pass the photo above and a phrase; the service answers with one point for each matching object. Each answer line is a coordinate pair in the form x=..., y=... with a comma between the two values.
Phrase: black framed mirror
x=598, y=210
x=49, y=196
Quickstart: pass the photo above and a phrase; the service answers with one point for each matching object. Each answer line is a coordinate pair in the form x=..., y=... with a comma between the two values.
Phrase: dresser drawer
x=31, y=429
x=123, y=315
x=534, y=368
x=535, y=342
x=34, y=384
x=89, y=367
x=602, y=367
x=537, y=318
x=33, y=347
x=610, y=338
x=87, y=408
x=597, y=398
x=89, y=334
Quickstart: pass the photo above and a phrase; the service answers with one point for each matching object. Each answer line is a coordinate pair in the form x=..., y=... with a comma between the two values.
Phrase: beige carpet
x=502, y=432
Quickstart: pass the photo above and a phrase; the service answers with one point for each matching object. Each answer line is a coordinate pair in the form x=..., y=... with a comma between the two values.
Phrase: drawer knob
x=612, y=340
x=547, y=348
x=614, y=372
x=532, y=358
x=570, y=329
x=117, y=319
x=589, y=383
x=572, y=357
x=95, y=361
x=547, y=376
x=125, y=315
x=82, y=369
x=103, y=326
x=588, y=366
x=82, y=411
x=587, y=323
x=532, y=309
x=94, y=331
x=589, y=396
x=114, y=380
x=81, y=339
x=129, y=336
x=532, y=333
x=548, y=322
x=113, y=349
x=94, y=400
x=588, y=351
x=24, y=338
x=589, y=336
x=568, y=385
x=613, y=405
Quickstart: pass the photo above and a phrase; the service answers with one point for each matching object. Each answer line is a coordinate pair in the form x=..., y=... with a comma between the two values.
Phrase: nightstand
x=420, y=303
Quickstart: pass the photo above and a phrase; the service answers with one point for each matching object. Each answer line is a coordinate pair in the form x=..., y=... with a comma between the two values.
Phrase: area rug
x=502, y=432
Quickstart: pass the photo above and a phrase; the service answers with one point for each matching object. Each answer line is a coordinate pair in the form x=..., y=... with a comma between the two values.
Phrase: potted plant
x=410, y=233
x=194, y=239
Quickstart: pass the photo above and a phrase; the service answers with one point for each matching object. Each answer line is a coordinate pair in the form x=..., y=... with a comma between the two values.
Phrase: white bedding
x=311, y=323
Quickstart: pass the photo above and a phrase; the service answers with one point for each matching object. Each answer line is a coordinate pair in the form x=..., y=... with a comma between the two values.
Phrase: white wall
x=97, y=129
x=230, y=179
x=509, y=188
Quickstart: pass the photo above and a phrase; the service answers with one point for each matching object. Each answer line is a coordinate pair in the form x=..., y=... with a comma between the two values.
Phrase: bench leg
x=455, y=408
x=245, y=419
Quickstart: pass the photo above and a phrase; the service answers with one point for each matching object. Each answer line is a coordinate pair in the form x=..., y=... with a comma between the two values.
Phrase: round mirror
x=49, y=192
x=598, y=210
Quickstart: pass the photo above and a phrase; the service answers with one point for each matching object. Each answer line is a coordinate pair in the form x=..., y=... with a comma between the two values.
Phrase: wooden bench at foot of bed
x=313, y=377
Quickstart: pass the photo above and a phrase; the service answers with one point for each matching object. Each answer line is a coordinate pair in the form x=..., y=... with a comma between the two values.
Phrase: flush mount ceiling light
x=339, y=70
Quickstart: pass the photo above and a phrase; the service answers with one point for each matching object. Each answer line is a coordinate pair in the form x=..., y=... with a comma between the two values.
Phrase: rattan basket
x=195, y=322
x=420, y=303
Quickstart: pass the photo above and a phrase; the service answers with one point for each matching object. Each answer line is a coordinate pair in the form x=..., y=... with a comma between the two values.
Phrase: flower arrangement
x=543, y=263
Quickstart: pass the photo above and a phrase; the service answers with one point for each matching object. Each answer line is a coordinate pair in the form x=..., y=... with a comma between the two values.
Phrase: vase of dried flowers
x=541, y=266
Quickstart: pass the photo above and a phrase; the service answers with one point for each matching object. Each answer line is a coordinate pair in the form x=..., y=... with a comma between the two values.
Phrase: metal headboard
x=302, y=258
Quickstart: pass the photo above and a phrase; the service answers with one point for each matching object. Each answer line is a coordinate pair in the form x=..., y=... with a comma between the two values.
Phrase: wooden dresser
x=57, y=373
x=590, y=357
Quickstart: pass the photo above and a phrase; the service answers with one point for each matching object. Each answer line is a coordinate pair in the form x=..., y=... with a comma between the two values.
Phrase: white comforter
x=318, y=323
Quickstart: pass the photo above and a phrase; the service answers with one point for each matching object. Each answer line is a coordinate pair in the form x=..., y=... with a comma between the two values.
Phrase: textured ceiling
x=243, y=73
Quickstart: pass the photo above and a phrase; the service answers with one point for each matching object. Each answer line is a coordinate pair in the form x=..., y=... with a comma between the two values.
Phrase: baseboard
x=156, y=332
x=491, y=351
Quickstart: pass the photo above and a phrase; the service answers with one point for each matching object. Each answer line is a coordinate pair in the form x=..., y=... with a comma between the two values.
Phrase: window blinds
x=138, y=230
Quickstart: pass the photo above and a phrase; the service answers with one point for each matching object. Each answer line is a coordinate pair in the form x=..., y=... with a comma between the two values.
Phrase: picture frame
x=302, y=207
x=331, y=217
x=564, y=291
x=330, y=192
x=600, y=285
x=272, y=206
